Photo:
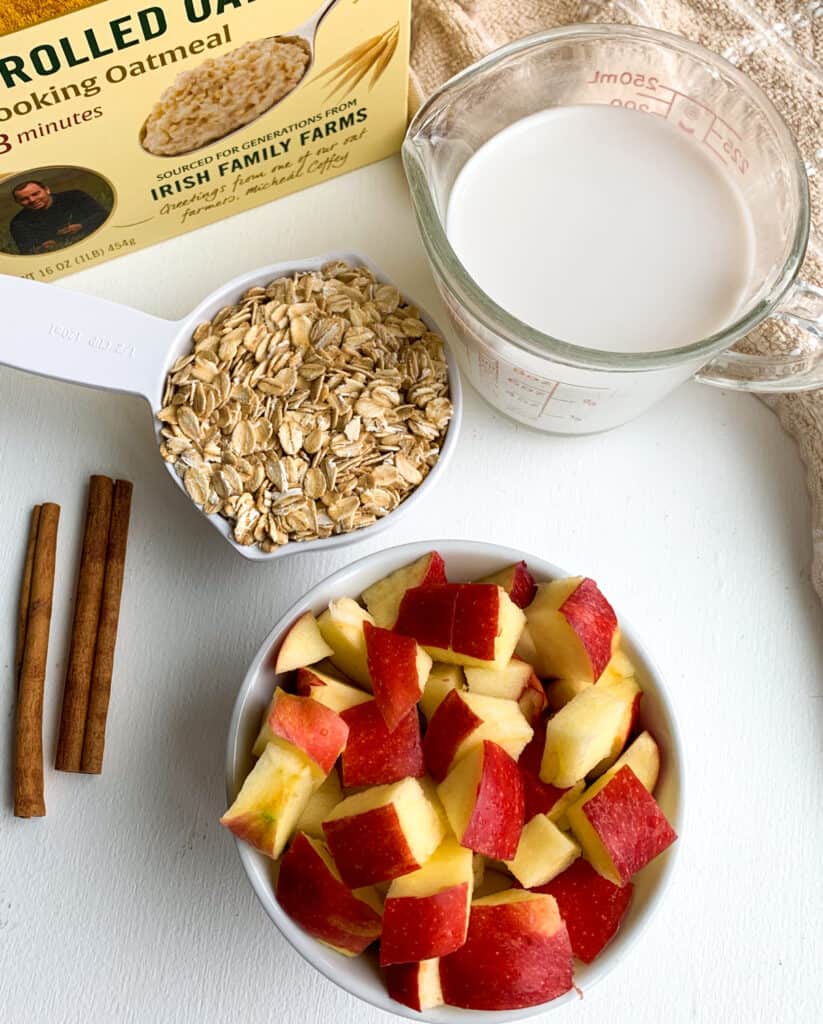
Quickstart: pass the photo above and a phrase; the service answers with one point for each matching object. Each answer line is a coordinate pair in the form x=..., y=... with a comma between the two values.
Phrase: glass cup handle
x=797, y=370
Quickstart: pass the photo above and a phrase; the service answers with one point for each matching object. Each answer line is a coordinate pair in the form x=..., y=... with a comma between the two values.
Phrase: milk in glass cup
x=607, y=210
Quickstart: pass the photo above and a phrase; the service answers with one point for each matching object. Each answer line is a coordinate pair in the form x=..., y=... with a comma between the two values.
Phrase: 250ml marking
x=690, y=115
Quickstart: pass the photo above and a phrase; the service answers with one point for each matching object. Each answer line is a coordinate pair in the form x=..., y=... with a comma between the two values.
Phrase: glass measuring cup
x=559, y=387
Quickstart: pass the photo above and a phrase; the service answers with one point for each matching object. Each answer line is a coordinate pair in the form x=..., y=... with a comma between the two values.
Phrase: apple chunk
x=321, y=803
x=384, y=832
x=398, y=668
x=383, y=598
x=462, y=623
x=516, y=954
x=415, y=985
x=580, y=735
x=465, y=720
x=302, y=645
x=311, y=892
x=643, y=757
x=515, y=681
x=543, y=852
x=572, y=629
x=272, y=798
x=517, y=581
x=317, y=730
x=629, y=693
x=442, y=679
x=373, y=755
x=426, y=913
x=620, y=826
x=483, y=799
x=333, y=693
x=541, y=797
x=591, y=907
x=341, y=626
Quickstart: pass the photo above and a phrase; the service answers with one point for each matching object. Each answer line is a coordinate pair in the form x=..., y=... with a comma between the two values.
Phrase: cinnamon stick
x=98, y=704
x=29, y=801
x=25, y=592
x=85, y=626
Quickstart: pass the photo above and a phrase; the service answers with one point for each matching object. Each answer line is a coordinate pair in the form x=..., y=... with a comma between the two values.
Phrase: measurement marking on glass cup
x=721, y=138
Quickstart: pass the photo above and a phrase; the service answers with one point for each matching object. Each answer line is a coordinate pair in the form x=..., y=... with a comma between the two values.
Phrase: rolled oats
x=311, y=408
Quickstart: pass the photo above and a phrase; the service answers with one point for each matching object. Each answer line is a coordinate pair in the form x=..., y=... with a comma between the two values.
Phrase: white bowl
x=465, y=560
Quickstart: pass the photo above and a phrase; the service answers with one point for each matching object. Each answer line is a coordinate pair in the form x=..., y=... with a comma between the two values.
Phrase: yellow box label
x=121, y=127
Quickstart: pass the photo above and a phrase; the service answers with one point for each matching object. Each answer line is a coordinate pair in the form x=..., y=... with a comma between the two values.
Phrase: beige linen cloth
x=778, y=43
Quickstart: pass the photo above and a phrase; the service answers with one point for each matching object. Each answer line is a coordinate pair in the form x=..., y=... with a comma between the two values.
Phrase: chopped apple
x=426, y=913
x=572, y=628
x=320, y=805
x=508, y=682
x=532, y=700
x=315, y=729
x=341, y=626
x=517, y=581
x=541, y=797
x=625, y=689
x=542, y=854
x=560, y=691
x=302, y=645
x=462, y=623
x=483, y=799
x=643, y=757
x=327, y=690
x=311, y=892
x=620, y=826
x=383, y=598
x=373, y=755
x=465, y=720
x=415, y=985
x=398, y=668
x=442, y=679
x=384, y=832
x=591, y=906
x=580, y=735
x=516, y=954
x=272, y=798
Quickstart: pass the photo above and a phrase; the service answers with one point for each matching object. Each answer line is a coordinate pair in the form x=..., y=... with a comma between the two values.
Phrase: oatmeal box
x=123, y=124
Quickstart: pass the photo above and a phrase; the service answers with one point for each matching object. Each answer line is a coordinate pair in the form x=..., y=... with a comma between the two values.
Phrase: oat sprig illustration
x=374, y=55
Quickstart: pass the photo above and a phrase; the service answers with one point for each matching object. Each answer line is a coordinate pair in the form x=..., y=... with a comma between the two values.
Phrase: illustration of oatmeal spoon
x=225, y=94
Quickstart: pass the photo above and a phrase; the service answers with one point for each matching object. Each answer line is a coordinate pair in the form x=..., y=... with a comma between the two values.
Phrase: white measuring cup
x=546, y=382
x=81, y=339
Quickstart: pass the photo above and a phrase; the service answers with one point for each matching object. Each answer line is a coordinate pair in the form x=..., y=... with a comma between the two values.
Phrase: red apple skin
x=508, y=960
x=403, y=984
x=590, y=905
x=373, y=755
x=423, y=927
x=497, y=818
x=369, y=847
x=629, y=823
x=435, y=573
x=313, y=728
x=593, y=619
x=392, y=661
x=451, y=723
x=539, y=797
x=523, y=587
x=320, y=903
x=461, y=617
x=427, y=613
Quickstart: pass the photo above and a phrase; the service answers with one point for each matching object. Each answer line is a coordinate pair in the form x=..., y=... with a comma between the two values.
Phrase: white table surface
x=128, y=902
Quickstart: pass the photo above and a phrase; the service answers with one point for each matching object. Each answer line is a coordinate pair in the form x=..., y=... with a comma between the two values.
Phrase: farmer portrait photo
x=50, y=209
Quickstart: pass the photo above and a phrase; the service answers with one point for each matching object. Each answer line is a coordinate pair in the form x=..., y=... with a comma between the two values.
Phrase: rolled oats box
x=122, y=123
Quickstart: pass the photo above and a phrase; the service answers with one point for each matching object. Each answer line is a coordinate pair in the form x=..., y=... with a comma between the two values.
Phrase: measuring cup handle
x=54, y=332
x=799, y=369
